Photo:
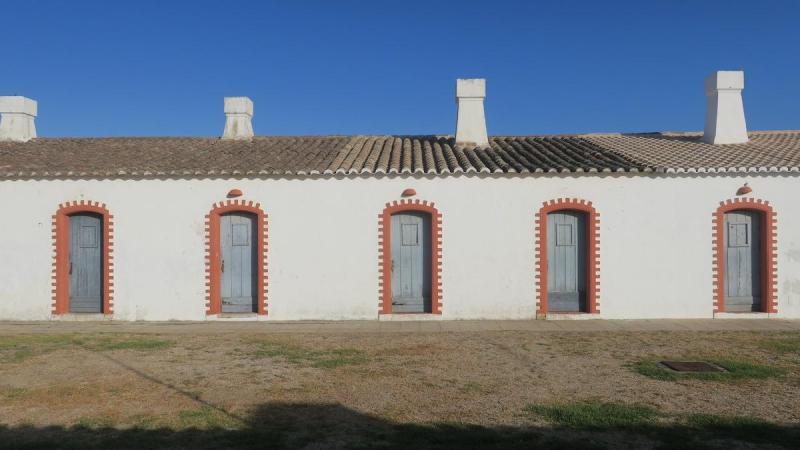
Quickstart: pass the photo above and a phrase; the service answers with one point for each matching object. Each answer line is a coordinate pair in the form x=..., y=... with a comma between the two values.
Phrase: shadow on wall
x=323, y=426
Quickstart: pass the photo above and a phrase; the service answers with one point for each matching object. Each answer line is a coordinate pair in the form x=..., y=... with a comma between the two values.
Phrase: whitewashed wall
x=656, y=245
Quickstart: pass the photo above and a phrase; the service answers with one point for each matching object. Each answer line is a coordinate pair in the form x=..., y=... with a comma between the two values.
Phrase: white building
x=680, y=225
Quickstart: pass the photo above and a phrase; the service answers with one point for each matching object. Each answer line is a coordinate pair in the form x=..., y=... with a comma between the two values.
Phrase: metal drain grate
x=692, y=366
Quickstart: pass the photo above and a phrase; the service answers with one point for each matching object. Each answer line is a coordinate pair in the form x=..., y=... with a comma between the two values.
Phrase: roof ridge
x=411, y=136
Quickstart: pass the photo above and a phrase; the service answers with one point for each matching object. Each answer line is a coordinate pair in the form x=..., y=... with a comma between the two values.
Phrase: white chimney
x=725, y=122
x=471, y=122
x=238, y=118
x=16, y=118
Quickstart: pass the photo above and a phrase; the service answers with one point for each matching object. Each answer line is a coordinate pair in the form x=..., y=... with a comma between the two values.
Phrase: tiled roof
x=176, y=157
x=167, y=157
x=684, y=152
x=440, y=155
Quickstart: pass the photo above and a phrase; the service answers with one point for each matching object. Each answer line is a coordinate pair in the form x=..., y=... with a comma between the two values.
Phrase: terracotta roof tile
x=176, y=157
x=685, y=152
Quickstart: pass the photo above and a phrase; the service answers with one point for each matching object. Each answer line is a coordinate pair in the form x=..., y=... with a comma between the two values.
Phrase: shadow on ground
x=322, y=426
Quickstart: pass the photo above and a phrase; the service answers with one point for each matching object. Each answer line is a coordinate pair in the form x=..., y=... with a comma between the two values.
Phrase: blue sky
x=103, y=68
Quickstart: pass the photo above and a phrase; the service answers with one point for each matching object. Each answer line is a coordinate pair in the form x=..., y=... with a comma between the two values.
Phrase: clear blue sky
x=113, y=68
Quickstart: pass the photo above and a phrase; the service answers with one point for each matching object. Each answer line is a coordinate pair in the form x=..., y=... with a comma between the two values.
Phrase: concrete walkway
x=374, y=326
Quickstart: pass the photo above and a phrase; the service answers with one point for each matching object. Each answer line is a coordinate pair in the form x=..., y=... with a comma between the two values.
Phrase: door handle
x=70, y=268
x=223, y=265
x=392, y=265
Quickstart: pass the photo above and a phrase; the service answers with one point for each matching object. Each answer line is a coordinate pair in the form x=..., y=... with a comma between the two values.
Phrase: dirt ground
x=96, y=384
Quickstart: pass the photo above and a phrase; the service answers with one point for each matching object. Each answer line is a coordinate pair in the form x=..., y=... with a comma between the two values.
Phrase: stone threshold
x=410, y=317
x=744, y=315
x=82, y=317
x=568, y=316
x=236, y=317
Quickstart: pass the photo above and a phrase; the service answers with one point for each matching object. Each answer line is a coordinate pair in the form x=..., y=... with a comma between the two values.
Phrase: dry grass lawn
x=399, y=390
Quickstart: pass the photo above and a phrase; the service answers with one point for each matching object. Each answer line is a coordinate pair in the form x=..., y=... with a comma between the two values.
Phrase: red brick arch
x=61, y=235
x=213, y=298
x=385, y=252
x=592, y=251
x=769, y=263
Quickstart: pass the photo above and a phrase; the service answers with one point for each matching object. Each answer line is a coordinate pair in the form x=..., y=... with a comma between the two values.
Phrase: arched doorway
x=409, y=254
x=236, y=275
x=83, y=258
x=568, y=250
x=744, y=271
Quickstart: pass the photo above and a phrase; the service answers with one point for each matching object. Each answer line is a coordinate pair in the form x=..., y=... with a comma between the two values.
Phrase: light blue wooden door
x=743, y=261
x=238, y=265
x=86, y=263
x=566, y=261
x=411, y=262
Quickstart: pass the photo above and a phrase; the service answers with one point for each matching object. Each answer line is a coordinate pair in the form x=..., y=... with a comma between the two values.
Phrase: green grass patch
x=596, y=414
x=324, y=359
x=16, y=349
x=144, y=421
x=12, y=393
x=107, y=344
x=94, y=422
x=735, y=370
x=782, y=345
x=205, y=418
x=7, y=342
x=20, y=355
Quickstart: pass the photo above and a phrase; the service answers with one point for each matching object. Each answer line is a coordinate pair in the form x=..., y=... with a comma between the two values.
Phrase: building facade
x=383, y=227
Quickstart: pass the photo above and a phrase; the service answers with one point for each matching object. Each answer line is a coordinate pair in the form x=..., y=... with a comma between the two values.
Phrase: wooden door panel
x=566, y=261
x=742, y=261
x=238, y=284
x=411, y=264
x=86, y=263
